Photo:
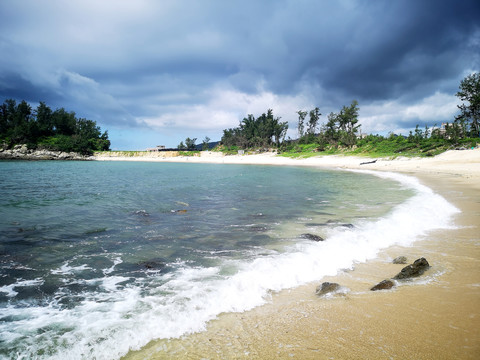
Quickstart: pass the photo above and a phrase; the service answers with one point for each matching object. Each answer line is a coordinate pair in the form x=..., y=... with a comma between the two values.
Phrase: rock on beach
x=383, y=285
x=413, y=270
x=400, y=260
x=327, y=288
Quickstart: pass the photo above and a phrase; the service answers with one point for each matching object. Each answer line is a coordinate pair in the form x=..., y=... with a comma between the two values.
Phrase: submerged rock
x=400, y=260
x=312, y=237
x=327, y=288
x=155, y=264
x=413, y=270
x=383, y=285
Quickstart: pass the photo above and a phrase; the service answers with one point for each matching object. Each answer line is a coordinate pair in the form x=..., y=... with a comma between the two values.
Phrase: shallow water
x=434, y=316
x=100, y=258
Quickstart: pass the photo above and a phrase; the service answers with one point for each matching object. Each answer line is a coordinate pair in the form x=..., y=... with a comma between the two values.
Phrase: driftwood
x=368, y=162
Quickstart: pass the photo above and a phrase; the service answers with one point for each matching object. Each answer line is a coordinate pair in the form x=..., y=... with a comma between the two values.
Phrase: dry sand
x=438, y=319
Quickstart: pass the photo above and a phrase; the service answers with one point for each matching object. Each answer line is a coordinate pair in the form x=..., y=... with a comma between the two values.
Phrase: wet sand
x=436, y=316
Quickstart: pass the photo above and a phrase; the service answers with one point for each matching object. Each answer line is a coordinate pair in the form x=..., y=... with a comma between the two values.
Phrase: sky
x=155, y=72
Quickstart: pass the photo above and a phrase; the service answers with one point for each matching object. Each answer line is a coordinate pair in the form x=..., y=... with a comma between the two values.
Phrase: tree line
x=469, y=118
x=263, y=131
x=342, y=128
x=44, y=128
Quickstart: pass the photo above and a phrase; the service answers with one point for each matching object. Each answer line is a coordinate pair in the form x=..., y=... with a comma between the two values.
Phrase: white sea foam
x=116, y=261
x=9, y=289
x=107, y=324
x=66, y=269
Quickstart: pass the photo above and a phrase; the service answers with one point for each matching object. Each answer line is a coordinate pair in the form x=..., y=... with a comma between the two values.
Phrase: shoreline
x=439, y=319
x=457, y=163
x=22, y=152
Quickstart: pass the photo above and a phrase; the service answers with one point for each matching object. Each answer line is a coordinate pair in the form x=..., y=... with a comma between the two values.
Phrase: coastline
x=438, y=319
x=22, y=152
x=457, y=163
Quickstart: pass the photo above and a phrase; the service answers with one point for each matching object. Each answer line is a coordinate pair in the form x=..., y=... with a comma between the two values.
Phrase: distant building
x=362, y=135
x=443, y=131
x=158, y=148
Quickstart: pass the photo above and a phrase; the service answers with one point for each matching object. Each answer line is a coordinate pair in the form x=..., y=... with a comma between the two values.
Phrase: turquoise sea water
x=97, y=258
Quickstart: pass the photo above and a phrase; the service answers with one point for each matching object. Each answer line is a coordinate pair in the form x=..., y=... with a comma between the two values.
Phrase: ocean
x=99, y=258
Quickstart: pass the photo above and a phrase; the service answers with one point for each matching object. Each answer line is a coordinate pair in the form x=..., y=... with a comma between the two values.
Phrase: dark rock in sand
x=400, y=260
x=326, y=288
x=312, y=237
x=413, y=270
x=383, y=285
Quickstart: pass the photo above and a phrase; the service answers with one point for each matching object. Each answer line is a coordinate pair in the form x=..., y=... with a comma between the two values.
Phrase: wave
x=124, y=315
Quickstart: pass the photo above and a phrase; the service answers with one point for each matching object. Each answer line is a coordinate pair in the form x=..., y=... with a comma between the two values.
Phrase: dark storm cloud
x=379, y=50
x=19, y=88
x=179, y=66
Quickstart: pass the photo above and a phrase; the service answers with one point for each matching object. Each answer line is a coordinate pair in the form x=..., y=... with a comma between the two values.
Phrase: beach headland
x=22, y=152
x=436, y=316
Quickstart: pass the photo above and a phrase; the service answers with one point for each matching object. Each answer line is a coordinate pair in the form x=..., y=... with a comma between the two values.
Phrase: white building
x=158, y=148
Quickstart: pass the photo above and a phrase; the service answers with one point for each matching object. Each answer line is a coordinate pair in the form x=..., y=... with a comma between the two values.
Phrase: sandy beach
x=435, y=319
x=456, y=163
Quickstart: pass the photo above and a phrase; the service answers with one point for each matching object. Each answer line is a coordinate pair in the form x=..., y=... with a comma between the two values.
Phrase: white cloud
x=395, y=116
x=226, y=107
x=437, y=106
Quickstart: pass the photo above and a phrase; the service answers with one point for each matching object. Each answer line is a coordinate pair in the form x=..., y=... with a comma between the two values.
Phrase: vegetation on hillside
x=341, y=132
x=62, y=131
x=43, y=128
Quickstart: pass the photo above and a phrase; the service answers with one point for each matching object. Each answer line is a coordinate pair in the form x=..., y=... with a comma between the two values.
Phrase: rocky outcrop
x=383, y=285
x=327, y=288
x=416, y=269
x=22, y=152
x=413, y=270
x=311, y=237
